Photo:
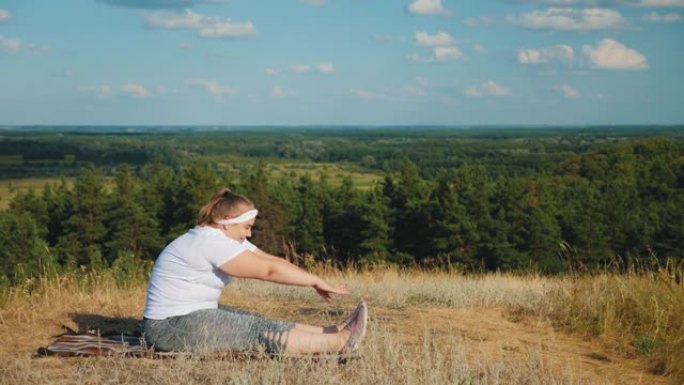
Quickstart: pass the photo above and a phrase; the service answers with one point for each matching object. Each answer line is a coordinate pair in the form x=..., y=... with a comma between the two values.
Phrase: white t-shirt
x=186, y=277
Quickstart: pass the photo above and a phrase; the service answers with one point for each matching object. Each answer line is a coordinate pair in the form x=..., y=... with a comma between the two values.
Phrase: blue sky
x=369, y=62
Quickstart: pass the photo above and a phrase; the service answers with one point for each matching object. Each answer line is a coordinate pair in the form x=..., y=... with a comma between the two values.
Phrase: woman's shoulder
x=210, y=234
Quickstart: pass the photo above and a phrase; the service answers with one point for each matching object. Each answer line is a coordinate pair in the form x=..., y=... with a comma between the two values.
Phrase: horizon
x=674, y=129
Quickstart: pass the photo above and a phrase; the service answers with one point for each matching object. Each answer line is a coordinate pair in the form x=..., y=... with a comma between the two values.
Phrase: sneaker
x=357, y=329
x=352, y=316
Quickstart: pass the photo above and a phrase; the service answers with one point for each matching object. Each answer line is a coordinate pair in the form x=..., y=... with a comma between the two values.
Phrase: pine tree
x=196, y=184
x=30, y=204
x=503, y=242
x=341, y=229
x=58, y=206
x=544, y=233
x=158, y=195
x=453, y=235
x=84, y=227
x=474, y=189
x=407, y=206
x=130, y=226
x=270, y=229
x=18, y=233
x=374, y=229
x=583, y=224
x=307, y=226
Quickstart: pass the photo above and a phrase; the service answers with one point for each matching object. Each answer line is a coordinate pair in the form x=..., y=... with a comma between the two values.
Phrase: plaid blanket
x=83, y=345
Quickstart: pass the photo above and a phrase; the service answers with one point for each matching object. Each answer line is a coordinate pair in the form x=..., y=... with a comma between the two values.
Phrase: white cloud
x=661, y=3
x=442, y=44
x=13, y=45
x=228, y=29
x=277, y=92
x=213, y=87
x=187, y=20
x=314, y=3
x=280, y=92
x=441, y=38
x=671, y=17
x=10, y=44
x=488, y=88
x=569, y=19
x=480, y=21
x=557, y=53
x=479, y=48
x=4, y=15
x=161, y=4
x=610, y=54
x=126, y=89
x=300, y=68
x=428, y=7
x=447, y=53
x=206, y=26
x=569, y=91
x=574, y=2
x=135, y=90
x=439, y=54
x=530, y=56
x=325, y=68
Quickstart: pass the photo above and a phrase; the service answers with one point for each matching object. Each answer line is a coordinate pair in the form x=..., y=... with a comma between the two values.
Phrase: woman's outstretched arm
x=263, y=266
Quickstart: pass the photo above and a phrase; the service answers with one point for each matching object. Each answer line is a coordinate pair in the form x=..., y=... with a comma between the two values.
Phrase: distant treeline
x=50, y=151
x=621, y=202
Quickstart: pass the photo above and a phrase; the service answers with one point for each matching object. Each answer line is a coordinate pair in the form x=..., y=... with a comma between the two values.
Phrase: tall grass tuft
x=639, y=312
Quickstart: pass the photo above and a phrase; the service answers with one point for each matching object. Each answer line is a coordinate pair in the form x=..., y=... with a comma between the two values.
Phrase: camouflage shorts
x=225, y=329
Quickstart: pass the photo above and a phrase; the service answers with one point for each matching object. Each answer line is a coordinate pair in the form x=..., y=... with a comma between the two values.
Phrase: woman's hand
x=325, y=290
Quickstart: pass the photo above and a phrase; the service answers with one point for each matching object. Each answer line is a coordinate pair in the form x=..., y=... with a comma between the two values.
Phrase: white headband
x=247, y=215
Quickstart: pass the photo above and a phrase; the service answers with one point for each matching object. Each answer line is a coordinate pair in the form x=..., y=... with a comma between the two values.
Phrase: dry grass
x=426, y=328
x=638, y=313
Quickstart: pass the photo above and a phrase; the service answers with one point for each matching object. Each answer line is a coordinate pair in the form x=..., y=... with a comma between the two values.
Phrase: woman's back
x=186, y=277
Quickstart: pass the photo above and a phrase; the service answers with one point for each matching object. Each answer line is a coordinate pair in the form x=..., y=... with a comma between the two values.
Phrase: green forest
x=550, y=200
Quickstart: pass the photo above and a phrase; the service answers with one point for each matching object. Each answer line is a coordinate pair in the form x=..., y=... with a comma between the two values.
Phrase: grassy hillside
x=427, y=328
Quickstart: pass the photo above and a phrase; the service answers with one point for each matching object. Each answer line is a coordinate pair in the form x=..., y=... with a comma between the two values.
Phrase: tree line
x=623, y=202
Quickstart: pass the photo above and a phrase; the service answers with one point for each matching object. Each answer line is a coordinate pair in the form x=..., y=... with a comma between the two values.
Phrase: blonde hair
x=224, y=203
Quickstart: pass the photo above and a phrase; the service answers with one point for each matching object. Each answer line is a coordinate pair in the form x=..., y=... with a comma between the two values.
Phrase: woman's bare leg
x=303, y=342
x=307, y=339
x=326, y=329
x=318, y=329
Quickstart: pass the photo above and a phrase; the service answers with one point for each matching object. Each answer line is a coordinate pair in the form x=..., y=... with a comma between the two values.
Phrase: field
x=279, y=169
x=335, y=173
x=10, y=187
x=426, y=328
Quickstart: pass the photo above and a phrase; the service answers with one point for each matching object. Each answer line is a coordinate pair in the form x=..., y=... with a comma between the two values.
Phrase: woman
x=182, y=311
